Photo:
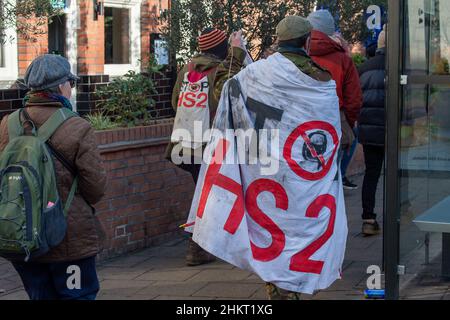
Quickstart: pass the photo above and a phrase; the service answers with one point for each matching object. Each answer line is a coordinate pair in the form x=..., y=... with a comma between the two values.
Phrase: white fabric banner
x=282, y=218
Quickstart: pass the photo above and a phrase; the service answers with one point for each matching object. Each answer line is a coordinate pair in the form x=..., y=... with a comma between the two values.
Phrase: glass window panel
x=57, y=35
x=440, y=38
x=424, y=134
x=414, y=148
x=117, y=36
x=413, y=128
x=439, y=128
x=415, y=37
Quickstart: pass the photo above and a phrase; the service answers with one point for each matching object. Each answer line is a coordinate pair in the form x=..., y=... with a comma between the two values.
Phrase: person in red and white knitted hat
x=195, y=102
x=213, y=42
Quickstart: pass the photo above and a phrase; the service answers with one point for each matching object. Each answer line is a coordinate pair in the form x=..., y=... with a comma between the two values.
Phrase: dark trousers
x=373, y=157
x=194, y=170
x=55, y=281
x=192, y=167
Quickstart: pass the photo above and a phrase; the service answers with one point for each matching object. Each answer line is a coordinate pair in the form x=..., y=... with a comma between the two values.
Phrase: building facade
x=101, y=39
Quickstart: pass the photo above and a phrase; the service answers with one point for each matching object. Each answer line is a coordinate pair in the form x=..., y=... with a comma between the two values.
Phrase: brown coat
x=76, y=142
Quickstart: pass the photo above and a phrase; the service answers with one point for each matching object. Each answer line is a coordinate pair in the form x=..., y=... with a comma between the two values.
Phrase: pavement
x=160, y=272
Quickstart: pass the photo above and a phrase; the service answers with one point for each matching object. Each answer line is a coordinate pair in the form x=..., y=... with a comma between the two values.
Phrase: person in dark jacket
x=372, y=132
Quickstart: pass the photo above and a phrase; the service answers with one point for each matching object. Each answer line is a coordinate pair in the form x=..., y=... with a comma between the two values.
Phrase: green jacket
x=228, y=68
x=306, y=65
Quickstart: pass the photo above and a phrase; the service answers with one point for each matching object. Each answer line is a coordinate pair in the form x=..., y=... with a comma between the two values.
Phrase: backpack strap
x=71, y=169
x=46, y=131
x=15, y=128
x=73, y=190
x=54, y=122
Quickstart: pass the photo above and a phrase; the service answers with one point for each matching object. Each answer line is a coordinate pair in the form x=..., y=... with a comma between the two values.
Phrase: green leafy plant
x=18, y=14
x=358, y=59
x=442, y=67
x=127, y=100
x=257, y=18
x=100, y=121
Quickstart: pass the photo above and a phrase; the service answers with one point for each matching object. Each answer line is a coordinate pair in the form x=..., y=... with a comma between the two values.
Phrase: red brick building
x=100, y=38
x=147, y=196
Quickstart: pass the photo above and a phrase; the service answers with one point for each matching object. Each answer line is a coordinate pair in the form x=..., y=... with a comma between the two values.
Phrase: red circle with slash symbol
x=300, y=131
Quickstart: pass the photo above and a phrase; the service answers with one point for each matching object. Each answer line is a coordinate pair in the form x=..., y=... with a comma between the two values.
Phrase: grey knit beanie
x=322, y=21
x=48, y=71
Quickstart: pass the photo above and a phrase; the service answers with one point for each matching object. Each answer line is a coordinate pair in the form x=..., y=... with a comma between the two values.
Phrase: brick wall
x=147, y=197
x=165, y=84
x=91, y=41
x=30, y=49
x=149, y=22
x=10, y=100
x=86, y=87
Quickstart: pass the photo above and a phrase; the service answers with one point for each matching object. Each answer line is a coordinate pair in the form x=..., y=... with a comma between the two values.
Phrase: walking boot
x=275, y=293
x=196, y=255
x=370, y=228
x=348, y=185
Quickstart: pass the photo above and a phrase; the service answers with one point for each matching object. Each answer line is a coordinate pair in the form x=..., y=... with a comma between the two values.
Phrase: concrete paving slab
x=228, y=290
x=171, y=288
x=180, y=275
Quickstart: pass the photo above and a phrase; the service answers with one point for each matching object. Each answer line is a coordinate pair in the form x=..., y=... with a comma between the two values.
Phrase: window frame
x=135, y=37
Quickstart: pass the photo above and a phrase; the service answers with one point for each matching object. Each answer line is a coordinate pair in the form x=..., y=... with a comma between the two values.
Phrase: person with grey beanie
x=75, y=156
x=328, y=51
x=322, y=21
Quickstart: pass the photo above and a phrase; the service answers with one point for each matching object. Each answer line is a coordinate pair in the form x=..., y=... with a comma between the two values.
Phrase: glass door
x=422, y=178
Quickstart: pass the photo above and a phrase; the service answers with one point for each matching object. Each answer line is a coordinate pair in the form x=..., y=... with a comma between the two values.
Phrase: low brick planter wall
x=147, y=196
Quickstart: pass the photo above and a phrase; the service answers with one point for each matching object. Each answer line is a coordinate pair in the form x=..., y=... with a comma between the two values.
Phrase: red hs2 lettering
x=301, y=261
x=194, y=95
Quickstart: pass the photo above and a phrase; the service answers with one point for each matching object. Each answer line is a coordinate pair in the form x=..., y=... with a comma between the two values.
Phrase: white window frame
x=11, y=70
x=135, y=37
x=72, y=12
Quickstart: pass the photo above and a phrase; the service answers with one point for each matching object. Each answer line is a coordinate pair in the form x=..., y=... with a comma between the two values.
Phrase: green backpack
x=32, y=218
